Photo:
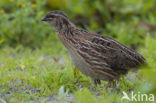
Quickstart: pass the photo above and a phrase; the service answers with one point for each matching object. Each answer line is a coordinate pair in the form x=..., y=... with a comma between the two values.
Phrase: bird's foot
x=110, y=84
x=97, y=82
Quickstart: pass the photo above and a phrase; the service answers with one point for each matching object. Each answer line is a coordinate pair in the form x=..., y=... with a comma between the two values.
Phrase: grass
x=30, y=75
x=35, y=66
x=44, y=75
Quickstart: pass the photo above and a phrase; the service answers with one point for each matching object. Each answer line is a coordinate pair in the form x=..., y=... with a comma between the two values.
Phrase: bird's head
x=57, y=19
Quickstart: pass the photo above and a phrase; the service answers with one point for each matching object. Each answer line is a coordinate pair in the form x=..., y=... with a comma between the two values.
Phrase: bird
x=97, y=56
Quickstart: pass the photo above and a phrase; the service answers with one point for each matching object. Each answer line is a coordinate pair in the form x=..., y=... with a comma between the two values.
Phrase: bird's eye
x=52, y=16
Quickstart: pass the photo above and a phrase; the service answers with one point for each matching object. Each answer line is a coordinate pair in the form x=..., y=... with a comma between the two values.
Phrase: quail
x=95, y=55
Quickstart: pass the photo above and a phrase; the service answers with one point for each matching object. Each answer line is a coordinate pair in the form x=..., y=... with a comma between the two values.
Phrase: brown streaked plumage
x=97, y=56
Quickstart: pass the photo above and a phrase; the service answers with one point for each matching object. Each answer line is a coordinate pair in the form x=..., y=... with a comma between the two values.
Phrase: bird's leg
x=76, y=75
x=97, y=81
x=110, y=83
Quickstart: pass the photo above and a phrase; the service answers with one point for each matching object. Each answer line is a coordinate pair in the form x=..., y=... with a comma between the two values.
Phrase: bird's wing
x=103, y=52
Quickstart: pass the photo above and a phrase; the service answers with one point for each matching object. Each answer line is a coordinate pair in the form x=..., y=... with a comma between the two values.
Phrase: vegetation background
x=35, y=66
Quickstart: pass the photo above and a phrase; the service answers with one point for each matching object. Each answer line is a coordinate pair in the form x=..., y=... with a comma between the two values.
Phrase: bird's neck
x=63, y=26
x=65, y=32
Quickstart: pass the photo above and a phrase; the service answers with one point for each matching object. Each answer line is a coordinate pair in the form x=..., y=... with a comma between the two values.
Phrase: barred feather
x=97, y=56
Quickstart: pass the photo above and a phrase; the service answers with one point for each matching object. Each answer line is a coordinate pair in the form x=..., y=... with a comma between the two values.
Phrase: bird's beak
x=44, y=19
